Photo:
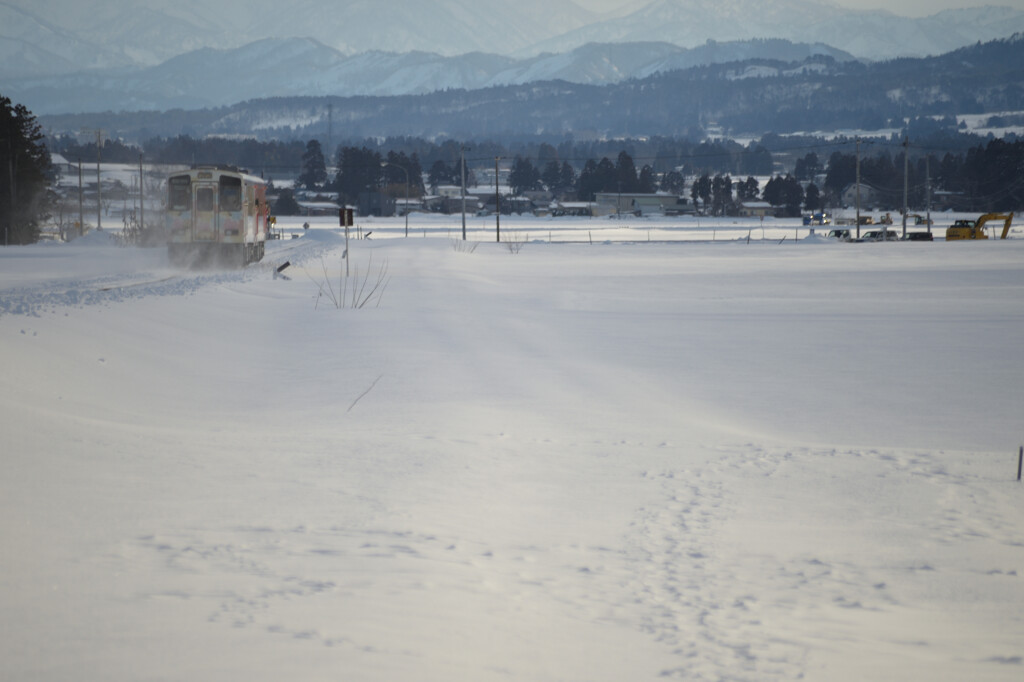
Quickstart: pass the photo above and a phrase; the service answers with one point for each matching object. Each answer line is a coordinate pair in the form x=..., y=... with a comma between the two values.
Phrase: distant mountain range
x=180, y=54
x=302, y=66
x=747, y=98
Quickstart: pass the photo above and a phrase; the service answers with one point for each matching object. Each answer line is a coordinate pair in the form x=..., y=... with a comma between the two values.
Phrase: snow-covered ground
x=594, y=459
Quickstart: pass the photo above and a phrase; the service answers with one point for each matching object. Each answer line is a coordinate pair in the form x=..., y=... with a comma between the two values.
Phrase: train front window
x=230, y=193
x=204, y=199
x=180, y=198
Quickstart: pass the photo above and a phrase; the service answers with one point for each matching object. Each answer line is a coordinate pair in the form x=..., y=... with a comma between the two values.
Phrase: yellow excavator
x=975, y=229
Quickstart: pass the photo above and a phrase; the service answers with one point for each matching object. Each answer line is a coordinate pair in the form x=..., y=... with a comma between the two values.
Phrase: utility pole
x=81, y=211
x=906, y=167
x=928, y=190
x=497, y=201
x=406, y=200
x=99, y=202
x=858, y=188
x=142, y=201
x=10, y=173
x=330, y=128
x=462, y=164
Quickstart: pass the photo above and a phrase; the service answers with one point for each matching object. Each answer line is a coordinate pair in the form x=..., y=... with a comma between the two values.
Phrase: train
x=216, y=215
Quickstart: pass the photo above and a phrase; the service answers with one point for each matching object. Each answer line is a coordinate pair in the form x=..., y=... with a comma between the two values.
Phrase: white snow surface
x=596, y=460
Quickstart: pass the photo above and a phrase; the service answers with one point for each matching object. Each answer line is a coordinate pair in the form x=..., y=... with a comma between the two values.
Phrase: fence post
x=1020, y=461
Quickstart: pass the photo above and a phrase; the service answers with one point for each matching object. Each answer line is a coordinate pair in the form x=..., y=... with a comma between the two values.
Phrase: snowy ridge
x=306, y=67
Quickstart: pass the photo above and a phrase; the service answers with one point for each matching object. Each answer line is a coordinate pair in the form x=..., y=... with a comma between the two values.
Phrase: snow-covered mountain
x=691, y=22
x=40, y=38
x=67, y=56
x=873, y=35
x=49, y=37
x=870, y=35
x=745, y=99
x=303, y=66
x=148, y=32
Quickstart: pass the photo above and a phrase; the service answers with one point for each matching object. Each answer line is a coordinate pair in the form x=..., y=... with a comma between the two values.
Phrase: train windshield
x=230, y=193
x=180, y=198
x=204, y=199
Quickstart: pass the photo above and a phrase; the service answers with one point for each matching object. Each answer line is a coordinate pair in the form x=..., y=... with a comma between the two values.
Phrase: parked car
x=919, y=237
x=880, y=235
x=840, y=234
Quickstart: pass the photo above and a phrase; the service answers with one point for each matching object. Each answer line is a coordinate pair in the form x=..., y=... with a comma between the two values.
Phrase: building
x=375, y=203
x=757, y=209
x=583, y=209
x=318, y=208
x=623, y=203
x=868, y=196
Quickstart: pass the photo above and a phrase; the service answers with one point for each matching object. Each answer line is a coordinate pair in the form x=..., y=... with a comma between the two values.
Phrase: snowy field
x=596, y=459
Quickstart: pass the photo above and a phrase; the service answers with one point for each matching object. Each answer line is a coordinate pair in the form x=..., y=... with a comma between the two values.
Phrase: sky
x=922, y=8
x=909, y=8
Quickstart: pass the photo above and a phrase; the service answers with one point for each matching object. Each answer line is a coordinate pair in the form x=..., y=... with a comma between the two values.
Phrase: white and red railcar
x=216, y=215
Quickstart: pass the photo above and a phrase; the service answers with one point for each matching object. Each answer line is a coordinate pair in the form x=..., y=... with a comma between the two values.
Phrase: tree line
x=25, y=174
x=286, y=159
x=984, y=177
x=368, y=169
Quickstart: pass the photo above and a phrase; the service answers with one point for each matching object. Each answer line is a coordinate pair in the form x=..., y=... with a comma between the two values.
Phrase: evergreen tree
x=949, y=173
x=673, y=182
x=25, y=171
x=773, y=191
x=524, y=177
x=647, y=184
x=747, y=190
x=399, y=170
x=314, y=170
x=416, y=175
x=756, y=160
x=586, y=183
x=625, y=174
x=568, y=177
x=546, y=153
x=842, y=172
x=607, y=176
x=358, y=171
x=552, y=176
x=807, y=167
x=597, y=177
x=440, y=174
x=812, y=198
x=721, y=194
x=792, y=195
x=701, y=189
x=286, y=204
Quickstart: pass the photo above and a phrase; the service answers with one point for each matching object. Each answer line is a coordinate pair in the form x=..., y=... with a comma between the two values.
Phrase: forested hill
x=750, y=97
